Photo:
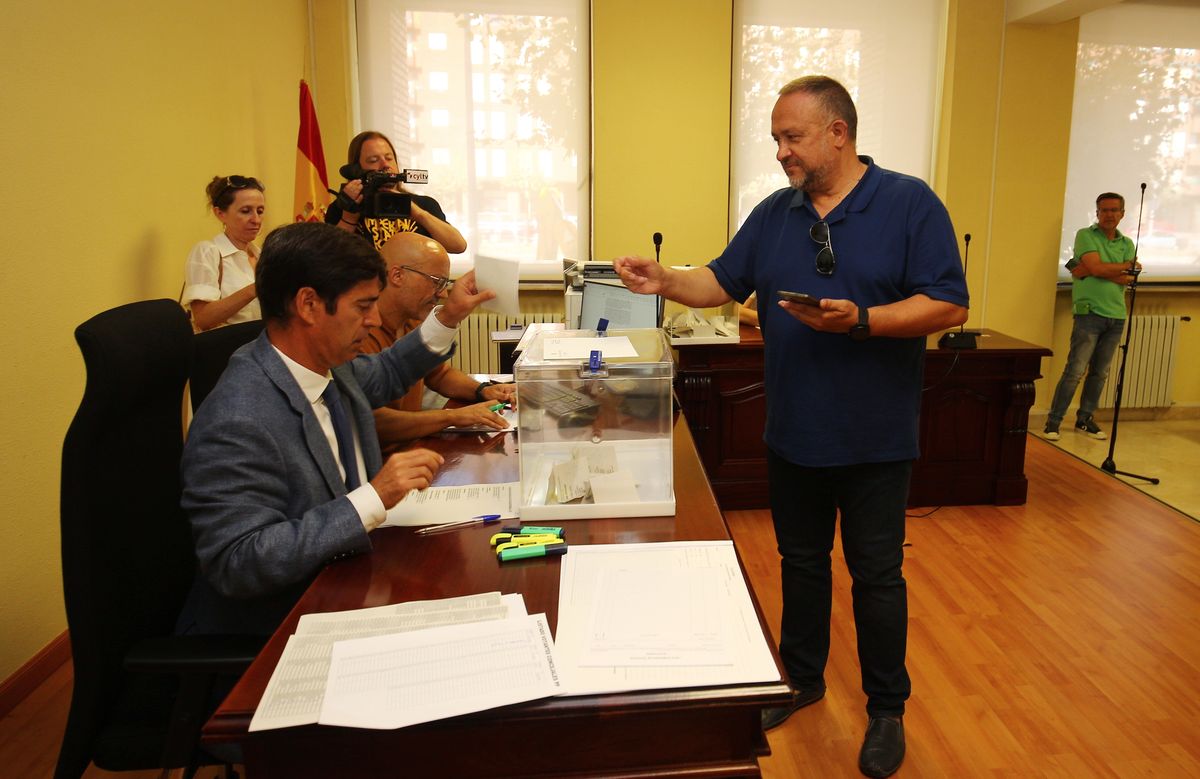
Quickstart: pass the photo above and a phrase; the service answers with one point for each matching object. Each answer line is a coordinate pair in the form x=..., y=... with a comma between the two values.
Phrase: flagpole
x=312, y=54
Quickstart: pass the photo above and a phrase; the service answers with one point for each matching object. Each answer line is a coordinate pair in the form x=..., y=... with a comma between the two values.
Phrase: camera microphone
x=657, y=238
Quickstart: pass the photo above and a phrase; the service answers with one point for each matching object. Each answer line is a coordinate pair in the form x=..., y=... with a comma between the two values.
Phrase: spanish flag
x=312, y=182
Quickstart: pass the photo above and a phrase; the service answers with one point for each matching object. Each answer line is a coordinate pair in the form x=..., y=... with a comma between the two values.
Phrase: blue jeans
x=804, y=506
x=1094, y=340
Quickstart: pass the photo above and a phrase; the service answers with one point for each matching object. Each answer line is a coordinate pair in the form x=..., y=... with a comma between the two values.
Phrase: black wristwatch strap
x=862, y=330
x=479, y=390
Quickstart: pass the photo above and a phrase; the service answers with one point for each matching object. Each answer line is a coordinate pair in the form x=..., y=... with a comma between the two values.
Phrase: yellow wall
x=116, y=115
x=660, y=77
x=1030, y=178
x=967, y=132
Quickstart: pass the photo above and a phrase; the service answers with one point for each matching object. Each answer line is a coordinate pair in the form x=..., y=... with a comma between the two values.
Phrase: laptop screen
x=623, y=309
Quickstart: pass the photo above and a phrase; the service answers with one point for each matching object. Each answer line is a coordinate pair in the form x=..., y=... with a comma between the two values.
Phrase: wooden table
x=974, y=414
x=703, y=732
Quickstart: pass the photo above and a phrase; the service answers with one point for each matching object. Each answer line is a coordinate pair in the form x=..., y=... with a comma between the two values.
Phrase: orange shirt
x=380, y=338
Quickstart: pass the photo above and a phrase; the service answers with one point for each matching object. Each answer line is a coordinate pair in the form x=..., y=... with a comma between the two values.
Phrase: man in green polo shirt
x=1102, y=265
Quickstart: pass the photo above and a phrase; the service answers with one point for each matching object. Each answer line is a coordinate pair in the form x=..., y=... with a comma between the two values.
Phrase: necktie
x=341, y=429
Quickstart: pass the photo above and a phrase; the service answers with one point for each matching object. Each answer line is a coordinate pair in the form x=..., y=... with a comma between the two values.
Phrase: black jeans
x=804, y=505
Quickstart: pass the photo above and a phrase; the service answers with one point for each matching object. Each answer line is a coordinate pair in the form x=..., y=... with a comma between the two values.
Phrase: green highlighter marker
x=533, y=550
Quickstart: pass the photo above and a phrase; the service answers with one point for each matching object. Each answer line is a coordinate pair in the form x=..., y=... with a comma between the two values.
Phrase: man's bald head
x=416, y=251
x=416, y=266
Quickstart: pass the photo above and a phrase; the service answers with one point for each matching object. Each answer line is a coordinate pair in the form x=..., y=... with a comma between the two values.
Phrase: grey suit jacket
x=261, y=485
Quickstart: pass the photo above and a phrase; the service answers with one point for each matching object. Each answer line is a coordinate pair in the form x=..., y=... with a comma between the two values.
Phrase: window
x=1135, y=120
x=498, y=95
x=884, y=52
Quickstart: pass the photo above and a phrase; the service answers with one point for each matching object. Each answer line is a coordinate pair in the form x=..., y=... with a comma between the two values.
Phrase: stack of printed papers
x=399, y=665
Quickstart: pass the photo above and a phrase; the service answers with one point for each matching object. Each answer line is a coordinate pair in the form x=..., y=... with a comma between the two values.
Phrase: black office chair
x=140, y=694
x=212, y=350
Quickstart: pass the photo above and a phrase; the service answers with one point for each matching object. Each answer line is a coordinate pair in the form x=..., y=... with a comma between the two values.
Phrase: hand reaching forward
x=464, y=297
x=478, y=414
x=641, y=275
x=405, y=471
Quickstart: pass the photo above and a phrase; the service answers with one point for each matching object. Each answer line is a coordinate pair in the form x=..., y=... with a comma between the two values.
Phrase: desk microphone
x=657, y=246
x=961, y=339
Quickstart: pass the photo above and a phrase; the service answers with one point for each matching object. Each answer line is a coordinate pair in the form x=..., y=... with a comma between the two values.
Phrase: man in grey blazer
x=265, y=477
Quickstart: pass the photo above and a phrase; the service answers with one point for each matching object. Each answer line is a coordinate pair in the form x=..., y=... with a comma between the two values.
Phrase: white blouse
x=220, y=261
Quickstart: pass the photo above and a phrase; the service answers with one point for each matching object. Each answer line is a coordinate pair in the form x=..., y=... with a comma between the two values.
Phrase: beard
x=809, y=180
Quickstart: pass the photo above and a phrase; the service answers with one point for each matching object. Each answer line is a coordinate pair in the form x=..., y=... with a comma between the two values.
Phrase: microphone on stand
x=662, y=303
x=961, y=338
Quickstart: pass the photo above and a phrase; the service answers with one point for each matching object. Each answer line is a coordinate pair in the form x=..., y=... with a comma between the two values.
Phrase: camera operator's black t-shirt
x=378, y=231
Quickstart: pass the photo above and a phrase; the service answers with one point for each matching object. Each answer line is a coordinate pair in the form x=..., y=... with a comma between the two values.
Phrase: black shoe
x=775, y=716
x=1089, y=426
x=883, y=747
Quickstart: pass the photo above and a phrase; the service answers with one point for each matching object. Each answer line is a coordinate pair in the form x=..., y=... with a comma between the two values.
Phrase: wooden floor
x=1166, y=449
x=1060, y=638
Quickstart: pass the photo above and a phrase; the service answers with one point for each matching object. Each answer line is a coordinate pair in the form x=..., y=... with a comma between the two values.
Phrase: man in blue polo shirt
x=843, y=382
x=1100, y=269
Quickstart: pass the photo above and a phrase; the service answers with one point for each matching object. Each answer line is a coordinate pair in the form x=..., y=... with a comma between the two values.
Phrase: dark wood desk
x=703, y=732
x=974, y=415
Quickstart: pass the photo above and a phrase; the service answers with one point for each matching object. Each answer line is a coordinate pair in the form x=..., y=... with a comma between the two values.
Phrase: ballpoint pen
x=482, y=519
x=497, y=407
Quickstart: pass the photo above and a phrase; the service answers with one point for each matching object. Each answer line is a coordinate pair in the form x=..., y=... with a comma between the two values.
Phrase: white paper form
x=655, y=616
x=407, y=678
x=297, y=686
x=581, y=348
x=500, y=276
x=439, y=505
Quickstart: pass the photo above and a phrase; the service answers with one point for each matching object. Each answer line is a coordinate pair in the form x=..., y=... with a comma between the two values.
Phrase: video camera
x=381, y=203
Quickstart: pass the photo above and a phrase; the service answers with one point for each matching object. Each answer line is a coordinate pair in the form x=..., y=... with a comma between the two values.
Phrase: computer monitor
x=623, y=309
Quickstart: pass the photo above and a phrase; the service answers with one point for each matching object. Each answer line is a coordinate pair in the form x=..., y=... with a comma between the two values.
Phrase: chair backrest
x=212, y=350
x=127, y=553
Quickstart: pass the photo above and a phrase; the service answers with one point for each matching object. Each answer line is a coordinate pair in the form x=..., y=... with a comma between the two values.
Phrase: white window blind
x=492, y=97
x=1134, y=120
x=885, y=52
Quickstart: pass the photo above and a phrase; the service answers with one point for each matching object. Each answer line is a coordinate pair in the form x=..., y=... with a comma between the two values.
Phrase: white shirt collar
x=312, y=384
x=225, y=246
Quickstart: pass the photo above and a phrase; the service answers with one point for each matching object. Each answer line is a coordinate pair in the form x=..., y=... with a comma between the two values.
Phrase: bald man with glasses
x=418, y=280
x=876, y=258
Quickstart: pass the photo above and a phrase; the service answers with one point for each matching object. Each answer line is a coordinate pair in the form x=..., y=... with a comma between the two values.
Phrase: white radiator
x=1150, y=366
x=476, y=353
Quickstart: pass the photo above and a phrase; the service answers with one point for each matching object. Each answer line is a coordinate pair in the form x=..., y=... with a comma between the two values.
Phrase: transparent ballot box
x=594, y=435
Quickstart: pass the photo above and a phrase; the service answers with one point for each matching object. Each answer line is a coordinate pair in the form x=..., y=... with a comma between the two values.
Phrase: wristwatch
x=479, y=390
x=862, y=330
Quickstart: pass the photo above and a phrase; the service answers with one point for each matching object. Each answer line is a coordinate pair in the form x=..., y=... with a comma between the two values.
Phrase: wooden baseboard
x=26, y=679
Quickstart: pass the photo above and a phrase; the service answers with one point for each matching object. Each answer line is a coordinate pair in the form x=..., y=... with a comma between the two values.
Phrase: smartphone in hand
x=799, y=297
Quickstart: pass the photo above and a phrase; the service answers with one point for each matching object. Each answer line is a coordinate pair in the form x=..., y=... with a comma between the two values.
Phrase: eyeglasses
x=439, y=282
x=826, y=262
